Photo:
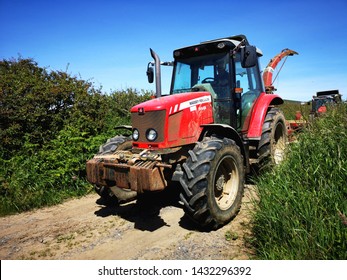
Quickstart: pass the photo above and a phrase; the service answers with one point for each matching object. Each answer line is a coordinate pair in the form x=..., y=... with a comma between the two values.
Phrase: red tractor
x=216, y=122
x=322, y=99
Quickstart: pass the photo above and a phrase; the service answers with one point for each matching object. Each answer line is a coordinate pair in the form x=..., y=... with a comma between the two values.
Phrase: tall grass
x=302, y=207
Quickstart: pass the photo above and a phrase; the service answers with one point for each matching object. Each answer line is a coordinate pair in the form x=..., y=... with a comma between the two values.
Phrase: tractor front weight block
x=143, y=175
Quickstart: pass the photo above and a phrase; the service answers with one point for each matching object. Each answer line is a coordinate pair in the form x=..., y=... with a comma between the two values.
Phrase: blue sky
x=108, y=42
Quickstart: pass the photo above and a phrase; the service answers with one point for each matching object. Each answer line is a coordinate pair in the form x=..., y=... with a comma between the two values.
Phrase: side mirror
x=150, y=74
x=248, y=56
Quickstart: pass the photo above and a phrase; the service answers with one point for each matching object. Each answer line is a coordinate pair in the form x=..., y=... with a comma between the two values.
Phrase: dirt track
x=83, y=229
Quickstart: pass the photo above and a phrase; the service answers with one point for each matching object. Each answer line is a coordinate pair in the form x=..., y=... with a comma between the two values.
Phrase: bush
x=303, y=202
x=45, y=176
x=51, y=123
x=36, y=103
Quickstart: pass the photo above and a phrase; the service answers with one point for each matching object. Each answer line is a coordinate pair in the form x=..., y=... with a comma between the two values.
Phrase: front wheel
x=213, y=182
x=119, y=142
x=114, y=194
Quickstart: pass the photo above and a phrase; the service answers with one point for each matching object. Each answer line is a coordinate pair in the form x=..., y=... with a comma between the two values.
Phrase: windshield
x=214, y=73
x=194, y=71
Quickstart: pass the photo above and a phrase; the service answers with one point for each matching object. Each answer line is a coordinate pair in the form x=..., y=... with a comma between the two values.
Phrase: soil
x=151, y=228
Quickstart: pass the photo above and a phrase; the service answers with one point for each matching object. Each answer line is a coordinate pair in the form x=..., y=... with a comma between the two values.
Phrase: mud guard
x=229, y=132
x=259, y=112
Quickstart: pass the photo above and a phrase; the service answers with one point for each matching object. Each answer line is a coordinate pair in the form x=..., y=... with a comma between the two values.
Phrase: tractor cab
x=226, y=68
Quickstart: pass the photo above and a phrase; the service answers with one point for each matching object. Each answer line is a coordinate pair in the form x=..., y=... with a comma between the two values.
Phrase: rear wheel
x=272, y=145
x=213, y=182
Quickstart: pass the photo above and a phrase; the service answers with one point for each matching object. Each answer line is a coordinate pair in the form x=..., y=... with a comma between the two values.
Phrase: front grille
x=153, y=119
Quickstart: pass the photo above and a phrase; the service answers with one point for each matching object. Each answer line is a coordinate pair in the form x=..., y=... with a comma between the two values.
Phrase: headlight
x=136, y=134
x=151, y=134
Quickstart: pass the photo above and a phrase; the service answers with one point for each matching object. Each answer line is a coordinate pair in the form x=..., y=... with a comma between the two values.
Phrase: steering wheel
x=207, y=80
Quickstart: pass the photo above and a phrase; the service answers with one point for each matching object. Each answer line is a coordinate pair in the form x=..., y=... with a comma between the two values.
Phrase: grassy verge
x=303, y=202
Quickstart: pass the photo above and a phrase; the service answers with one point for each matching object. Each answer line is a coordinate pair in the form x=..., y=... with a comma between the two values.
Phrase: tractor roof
x=231, y=41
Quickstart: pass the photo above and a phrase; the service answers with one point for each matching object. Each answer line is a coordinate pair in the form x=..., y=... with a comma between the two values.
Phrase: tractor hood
x=173, y=103
x=171, y=121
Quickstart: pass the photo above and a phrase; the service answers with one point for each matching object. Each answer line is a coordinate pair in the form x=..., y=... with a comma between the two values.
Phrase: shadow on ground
x=145, y=211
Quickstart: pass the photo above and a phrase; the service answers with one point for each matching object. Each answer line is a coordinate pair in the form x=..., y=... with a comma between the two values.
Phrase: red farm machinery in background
x=324, y=99
x=217, y=120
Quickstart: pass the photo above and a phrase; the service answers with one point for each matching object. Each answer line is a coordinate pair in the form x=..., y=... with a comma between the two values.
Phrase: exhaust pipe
x=157, y=73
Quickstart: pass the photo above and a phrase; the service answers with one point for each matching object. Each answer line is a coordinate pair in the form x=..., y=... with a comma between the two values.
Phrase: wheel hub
x=227, y=183
x=279, y=151
x=220, y=183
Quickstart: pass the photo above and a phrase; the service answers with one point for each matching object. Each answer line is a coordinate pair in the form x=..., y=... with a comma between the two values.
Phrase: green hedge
x=51, y=123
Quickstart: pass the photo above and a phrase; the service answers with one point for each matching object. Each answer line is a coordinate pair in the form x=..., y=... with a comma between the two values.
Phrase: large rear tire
x=213, y=182
x=274, y=138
